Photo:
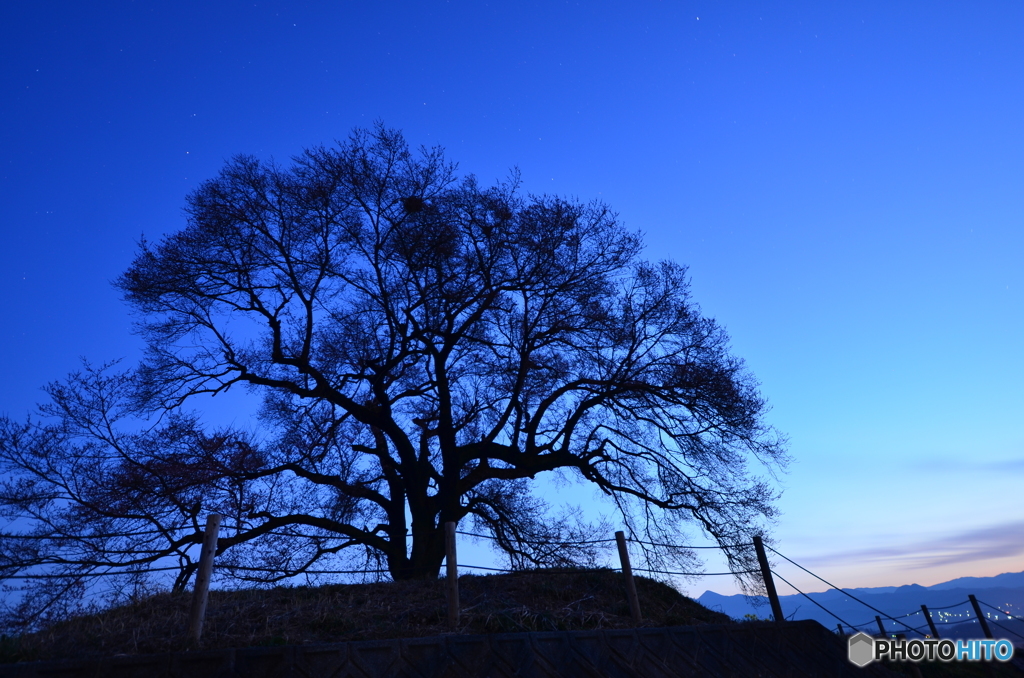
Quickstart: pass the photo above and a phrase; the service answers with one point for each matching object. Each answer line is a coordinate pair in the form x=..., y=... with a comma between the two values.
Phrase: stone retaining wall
x=801, y=648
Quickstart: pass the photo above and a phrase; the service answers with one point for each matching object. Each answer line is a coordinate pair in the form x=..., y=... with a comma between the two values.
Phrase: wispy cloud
x=965, y=465
x=1010, y=465
x=985, y=543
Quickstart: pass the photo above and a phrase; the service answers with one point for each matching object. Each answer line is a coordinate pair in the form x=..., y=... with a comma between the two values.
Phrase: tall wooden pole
x=931, y=623
x=452, y=570
x=981, y=617
x=627, y=571
x=202, y=590
x=769, y=583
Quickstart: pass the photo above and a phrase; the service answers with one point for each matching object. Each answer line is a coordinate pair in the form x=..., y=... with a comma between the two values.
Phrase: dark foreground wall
x=801, y=648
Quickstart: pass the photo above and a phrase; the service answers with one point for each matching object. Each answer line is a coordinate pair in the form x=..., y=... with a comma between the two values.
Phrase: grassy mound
x=539, y=600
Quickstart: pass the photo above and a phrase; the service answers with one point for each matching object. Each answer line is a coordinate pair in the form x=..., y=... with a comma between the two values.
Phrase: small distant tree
x=425, y=348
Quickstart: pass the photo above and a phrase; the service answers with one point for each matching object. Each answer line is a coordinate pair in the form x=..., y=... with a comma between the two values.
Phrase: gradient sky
x=844, y=180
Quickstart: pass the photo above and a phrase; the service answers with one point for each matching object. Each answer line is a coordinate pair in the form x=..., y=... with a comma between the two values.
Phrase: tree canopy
x=425, y=347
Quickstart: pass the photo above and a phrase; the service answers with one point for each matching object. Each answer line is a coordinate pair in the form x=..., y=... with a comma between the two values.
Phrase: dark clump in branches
x=425, y=347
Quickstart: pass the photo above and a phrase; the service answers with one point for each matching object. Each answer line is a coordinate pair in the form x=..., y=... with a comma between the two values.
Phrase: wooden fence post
x=769, y=583
x=931, y=624
x=202, y=590
x=627, y=571
x=981, y=617
x=452, y=570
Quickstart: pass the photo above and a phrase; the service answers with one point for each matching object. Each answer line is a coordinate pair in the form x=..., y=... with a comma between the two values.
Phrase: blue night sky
x=844, y=180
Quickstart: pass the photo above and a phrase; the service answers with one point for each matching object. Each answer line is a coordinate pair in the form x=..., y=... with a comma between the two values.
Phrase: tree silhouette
x=425, y=347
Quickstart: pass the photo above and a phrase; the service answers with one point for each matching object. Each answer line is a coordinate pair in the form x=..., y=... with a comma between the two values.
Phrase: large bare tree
x=425, y=348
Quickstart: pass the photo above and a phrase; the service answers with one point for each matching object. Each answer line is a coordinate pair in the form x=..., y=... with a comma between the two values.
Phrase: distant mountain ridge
x=947, y=603
x=1010, y=580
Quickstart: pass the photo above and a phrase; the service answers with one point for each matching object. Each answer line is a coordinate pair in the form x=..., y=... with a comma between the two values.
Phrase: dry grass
x=545, y=600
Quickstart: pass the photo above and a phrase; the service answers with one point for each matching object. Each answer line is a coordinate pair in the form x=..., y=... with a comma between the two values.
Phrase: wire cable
x=677, y=546
x=540, y=543
x=966, y=602
x=992, y=621
x=249, y=568
x=951, y=623
x=87, y=574
x=839, y=589
x=693, y=574
x=930, y=609
x=491, y=569
x=1014, y=617
x=812, y=600
x=79, y=537
x=909, y=614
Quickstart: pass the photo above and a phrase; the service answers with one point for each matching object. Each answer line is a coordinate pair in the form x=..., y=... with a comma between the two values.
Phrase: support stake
x=981, y=617
x=931, y=623
x=769, y=583
x=627, y=571
x=202, y=590
x=452, y=571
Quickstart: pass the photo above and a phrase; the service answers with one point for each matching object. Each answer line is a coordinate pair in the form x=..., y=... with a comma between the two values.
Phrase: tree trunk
x=425, y=560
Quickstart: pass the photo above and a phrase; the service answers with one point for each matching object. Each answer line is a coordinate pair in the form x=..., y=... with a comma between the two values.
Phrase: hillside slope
x=540, y=600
